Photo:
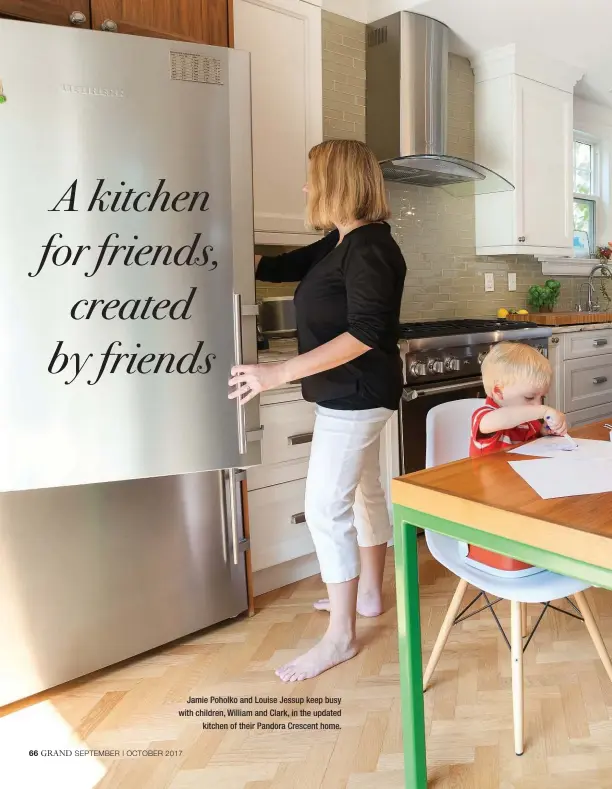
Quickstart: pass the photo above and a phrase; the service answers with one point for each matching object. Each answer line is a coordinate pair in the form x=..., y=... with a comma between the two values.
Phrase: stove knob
x=481, y=357
x=435, y=366
x=453, y=364
x=418, y=368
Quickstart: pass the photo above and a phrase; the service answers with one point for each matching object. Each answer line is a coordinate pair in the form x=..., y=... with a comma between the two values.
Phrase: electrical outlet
x=489, y=283
x=511, y=281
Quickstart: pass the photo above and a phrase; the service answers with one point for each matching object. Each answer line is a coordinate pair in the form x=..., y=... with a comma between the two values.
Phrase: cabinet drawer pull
x=601, y=379
x=299, y=517
x=300, y=438
x=599, y=343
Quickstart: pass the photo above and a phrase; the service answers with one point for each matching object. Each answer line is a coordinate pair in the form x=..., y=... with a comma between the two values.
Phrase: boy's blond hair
x=509, y=363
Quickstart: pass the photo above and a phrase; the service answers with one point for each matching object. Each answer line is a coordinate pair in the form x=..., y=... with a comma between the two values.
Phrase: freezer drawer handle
x=299, y=517
x=300, y=438
x=223, y=498
x=601, y=379
x=239, y=544
x=599, y=342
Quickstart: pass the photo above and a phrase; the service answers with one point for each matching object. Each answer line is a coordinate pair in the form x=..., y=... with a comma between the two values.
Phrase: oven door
x=415, y=405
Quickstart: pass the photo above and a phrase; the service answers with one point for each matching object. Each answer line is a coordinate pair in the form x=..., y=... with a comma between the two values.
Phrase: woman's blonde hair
x=345, y=184
x=508, y=363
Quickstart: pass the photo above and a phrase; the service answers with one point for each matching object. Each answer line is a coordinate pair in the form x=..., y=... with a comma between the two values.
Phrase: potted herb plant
x=544, y=297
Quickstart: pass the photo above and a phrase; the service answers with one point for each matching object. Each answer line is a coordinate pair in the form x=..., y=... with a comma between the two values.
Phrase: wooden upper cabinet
x=200, y=21
x=52, y=12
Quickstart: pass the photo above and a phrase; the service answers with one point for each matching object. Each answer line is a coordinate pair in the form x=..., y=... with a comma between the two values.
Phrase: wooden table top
x=487, y=494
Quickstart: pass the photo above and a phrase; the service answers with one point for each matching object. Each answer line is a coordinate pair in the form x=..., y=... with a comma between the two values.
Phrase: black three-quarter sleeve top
x=356, y=287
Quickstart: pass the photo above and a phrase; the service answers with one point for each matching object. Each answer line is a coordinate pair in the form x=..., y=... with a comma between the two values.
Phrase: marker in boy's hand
x=516, y=378
x=555, y=422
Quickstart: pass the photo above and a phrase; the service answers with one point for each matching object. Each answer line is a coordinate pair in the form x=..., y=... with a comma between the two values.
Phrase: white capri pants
x=345, y=503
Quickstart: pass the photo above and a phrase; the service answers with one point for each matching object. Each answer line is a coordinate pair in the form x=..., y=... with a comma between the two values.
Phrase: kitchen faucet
x=588, y=307
x=592, y=305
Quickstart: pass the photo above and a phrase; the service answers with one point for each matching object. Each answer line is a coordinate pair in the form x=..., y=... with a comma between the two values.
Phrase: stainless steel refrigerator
x=126, y=294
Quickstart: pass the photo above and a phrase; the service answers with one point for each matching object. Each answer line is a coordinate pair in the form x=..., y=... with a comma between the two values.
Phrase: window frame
x=593, y=197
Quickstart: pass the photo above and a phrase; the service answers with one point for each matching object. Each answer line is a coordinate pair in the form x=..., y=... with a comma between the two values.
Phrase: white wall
x=368, y=10
x=596, y=121
x=351, y=9
x=378, y=9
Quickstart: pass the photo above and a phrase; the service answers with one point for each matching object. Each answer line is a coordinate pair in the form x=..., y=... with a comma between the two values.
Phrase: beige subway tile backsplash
x=344, y=78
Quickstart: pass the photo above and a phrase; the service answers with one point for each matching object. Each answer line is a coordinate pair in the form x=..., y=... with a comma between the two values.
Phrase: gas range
x=447, y=350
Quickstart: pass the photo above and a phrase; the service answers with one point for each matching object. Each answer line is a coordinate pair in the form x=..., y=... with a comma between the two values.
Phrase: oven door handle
x=412, y=394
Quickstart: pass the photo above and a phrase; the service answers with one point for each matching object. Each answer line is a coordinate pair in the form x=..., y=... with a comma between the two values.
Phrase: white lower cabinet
x=579, y=344
x=588, y=382
x=278, y=527
x=589, y=415
x=282, y=550
x=285, y=446
x=582, y=374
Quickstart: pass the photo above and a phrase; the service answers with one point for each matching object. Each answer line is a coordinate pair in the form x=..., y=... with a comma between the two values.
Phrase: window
x=583, y=168
x=585, y=191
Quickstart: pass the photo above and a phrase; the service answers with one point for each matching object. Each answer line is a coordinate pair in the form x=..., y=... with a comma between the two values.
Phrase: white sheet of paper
x=572, y=477
x=557, y=447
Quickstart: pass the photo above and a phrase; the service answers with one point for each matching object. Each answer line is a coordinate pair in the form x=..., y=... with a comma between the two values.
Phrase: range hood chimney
x=406, y=107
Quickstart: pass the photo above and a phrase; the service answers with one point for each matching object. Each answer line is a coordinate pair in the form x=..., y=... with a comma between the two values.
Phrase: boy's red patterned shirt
x=487, y=443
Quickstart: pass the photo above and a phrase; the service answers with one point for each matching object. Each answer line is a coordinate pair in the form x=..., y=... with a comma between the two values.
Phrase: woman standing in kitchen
x=347, y=307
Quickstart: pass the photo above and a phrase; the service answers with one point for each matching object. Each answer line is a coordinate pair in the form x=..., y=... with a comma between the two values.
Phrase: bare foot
x=367, y=605
x=325, y=655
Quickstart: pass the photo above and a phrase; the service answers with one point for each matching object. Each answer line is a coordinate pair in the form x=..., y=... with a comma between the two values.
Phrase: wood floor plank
x=136, y=706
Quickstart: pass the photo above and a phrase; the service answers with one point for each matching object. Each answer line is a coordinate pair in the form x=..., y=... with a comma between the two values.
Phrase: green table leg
x=410, y=658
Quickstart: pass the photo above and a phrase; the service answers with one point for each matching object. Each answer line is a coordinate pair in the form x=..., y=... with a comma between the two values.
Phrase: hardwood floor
x=135, y=706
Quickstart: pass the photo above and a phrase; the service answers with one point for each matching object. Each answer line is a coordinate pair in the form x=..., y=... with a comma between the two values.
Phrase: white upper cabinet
x=524, y=132
x=284, y=39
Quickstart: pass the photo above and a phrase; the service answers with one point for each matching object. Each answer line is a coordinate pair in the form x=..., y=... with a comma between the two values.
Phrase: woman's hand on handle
x=251, y=379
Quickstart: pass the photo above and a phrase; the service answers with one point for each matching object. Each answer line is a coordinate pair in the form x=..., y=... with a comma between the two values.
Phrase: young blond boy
x=516, y=378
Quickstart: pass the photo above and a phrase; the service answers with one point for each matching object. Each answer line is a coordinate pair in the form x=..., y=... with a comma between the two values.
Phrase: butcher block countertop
x=563, y=318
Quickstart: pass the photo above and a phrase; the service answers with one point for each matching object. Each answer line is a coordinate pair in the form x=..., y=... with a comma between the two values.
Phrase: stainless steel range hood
x=406, y=107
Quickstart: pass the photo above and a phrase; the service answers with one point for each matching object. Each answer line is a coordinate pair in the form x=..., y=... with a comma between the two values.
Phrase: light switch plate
x=489, y=283
x=511, y=281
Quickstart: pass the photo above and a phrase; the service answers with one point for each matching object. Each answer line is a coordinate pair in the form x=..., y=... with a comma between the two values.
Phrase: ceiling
x=573, y=31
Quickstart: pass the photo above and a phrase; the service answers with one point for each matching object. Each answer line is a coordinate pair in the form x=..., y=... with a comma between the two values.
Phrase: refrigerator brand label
x=113, y=93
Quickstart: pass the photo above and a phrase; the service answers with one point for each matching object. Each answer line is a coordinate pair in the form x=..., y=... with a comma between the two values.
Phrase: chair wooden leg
x=442, y=638
x=591, y=626
x=516, y=641
x=524, y=620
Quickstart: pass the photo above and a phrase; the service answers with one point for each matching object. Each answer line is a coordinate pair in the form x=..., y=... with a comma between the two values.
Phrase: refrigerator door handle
x=242, y=438
x=240, y=309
